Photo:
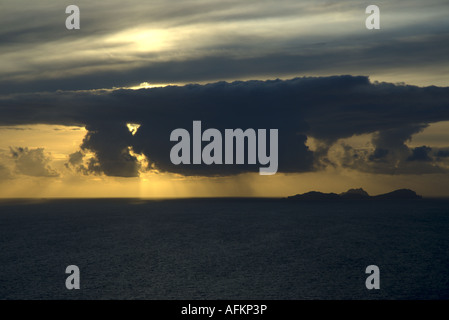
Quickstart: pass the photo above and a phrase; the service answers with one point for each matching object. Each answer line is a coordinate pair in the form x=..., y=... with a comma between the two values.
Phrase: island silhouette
x=356, y=194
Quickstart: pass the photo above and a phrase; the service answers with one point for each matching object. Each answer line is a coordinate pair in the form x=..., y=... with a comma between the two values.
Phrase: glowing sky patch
x=133, y=127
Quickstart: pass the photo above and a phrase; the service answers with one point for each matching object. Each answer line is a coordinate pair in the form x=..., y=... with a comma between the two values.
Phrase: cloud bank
x=208, y=40
x=324, y=108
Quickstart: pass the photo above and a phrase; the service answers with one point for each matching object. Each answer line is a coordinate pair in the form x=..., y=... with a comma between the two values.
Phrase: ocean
x=224, y=249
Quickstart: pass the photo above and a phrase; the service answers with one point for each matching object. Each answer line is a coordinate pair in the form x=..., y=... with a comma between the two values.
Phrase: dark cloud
x=414, y=161
x=443, y=153
x=420, y=154
x=379, y=154
x=76, y=161
x=86, y=166
x=326, y=108
x=111, y=143
x=390, y=147
x=32, y=162
x=76, y=158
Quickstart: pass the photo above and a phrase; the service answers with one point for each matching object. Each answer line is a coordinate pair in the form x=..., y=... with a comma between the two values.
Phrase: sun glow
x=141, y=40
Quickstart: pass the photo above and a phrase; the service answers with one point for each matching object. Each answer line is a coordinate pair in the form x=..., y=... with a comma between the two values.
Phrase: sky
x=89, y=112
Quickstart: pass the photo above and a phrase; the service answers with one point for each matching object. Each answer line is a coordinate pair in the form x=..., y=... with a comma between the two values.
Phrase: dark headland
x=356, y=194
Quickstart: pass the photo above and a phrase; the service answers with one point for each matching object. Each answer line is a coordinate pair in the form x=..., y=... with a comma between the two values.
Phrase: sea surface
x=224, y=249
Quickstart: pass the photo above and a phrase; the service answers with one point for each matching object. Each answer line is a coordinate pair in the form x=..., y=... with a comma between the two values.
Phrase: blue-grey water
x=224, y=249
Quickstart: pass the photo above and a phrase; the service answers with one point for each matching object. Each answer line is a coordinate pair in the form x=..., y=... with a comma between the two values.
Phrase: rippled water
x=224, y=249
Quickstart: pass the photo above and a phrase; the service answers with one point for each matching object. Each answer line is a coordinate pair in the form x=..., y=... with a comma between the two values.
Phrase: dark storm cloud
x=442, y=153
x=420, y=154
x=110, y=141
x=390, y=144
x=326, y=108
